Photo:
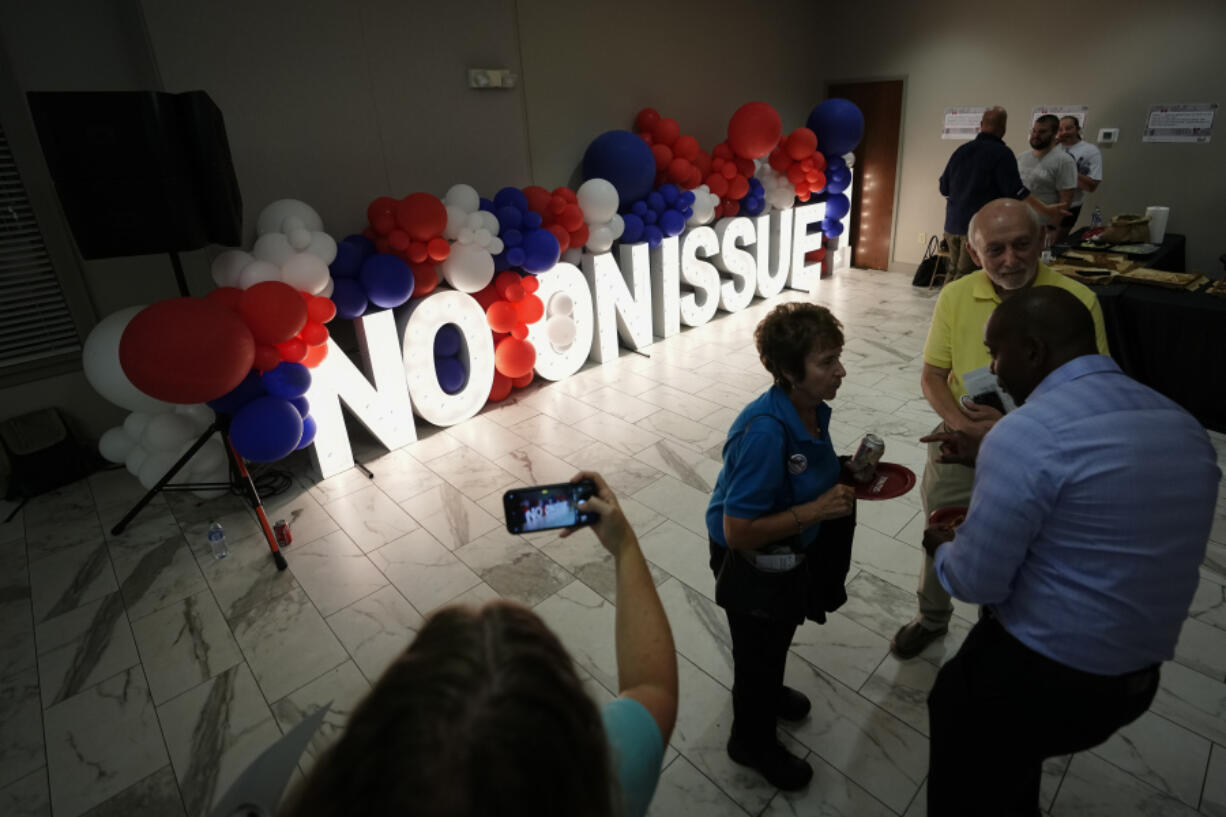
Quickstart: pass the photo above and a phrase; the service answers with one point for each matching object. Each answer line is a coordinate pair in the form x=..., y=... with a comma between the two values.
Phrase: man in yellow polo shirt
x=1004, y=241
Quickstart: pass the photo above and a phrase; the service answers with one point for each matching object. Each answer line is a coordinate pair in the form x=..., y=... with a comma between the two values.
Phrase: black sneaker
x=792, y=705
x=781, y=768
x=912, y=639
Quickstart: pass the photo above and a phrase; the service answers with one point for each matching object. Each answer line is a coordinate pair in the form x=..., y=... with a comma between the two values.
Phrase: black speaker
x=140, y=172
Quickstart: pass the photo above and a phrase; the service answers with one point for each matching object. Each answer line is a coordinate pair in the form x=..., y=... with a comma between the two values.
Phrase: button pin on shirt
x=797, y=463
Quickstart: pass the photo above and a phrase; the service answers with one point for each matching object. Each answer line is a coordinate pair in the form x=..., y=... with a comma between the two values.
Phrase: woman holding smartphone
x=779, y=481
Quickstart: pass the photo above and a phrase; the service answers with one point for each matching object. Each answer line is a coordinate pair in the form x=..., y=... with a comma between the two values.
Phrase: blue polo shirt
x=753, y=482
x=980, y=171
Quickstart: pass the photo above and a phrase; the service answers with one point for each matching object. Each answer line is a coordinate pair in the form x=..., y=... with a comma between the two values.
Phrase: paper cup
x=1157, y=223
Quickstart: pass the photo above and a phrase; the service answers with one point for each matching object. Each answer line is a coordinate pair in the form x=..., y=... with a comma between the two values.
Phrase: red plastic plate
x=891, y=480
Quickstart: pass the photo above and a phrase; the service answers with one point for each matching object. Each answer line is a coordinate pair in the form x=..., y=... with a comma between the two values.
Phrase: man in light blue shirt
x=1090, y=513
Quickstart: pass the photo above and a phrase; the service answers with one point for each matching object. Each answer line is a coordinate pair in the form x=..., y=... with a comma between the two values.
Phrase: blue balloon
x=387, y=279
x=348, y=260
x=350, y=298
x=288, y=380
x=451, y=374
x=651, y=217
x=752, y=206
x=655, y=201
x=239, y=396
x=516, y=256
x=511, y=197
x=447, y=340
x=639, y=208
x=364, y=244
x=303, y=405
x=835, y=162
x=266, y=429
x=670, y=193
x=532, y=220
x=509, y=218
x=624, y=160
x=512, y=237
x=839, y=125
x=836, y=186
x=686, y=199
x=633, y=230
x=655, y=236
x=486, y=205
x=672, y=222
x=837, y=206
x=308, y=433
x=541, y=251
x=832, y=228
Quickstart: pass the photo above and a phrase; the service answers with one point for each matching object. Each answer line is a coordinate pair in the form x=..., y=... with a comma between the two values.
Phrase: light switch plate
x=1108, y=135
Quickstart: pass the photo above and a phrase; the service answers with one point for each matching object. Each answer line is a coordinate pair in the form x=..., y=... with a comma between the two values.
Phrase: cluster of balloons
x=679, y=160
x=511, y=304
x=448, y=367
x=598, y=200
x=291, y=247
x=528, y=245
x=754, y=201
x=287, y=324
x=270, y=414
x=473, y=228
x=838, y=125
x=561, y=214
x=363, y=277
x=624, y=161
x=660, y=215
x=702, y=211
x=798, y=161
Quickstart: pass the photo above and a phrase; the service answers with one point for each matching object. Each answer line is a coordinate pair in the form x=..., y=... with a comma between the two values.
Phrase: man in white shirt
x=1089, y=160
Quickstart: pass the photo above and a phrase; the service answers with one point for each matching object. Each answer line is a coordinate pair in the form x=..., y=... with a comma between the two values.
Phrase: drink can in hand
x=864, y=463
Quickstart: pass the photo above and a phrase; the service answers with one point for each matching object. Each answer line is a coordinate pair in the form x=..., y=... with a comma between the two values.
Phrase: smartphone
x=546, y=507
x=988, y=398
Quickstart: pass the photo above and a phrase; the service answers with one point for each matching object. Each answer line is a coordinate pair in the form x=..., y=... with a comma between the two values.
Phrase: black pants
x=759, y=654
x=998, y=709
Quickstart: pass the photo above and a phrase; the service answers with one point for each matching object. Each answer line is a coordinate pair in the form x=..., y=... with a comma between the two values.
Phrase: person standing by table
x=1005, y=240
x=1049, y=172
x=1089, y=161
x=1092, y=506
x=778, y=484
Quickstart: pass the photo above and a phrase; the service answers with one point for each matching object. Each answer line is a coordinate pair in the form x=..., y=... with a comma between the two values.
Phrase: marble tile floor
x=139, y=676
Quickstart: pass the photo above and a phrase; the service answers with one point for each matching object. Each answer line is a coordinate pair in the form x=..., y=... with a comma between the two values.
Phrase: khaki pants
x=960, y=261
x=944, y=485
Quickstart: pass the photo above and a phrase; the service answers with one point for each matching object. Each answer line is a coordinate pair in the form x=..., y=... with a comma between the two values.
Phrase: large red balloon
x=226, y=296
x=754, y=130
x=800, y=143
x=187, y=350
x=514, y=357
x=422, y=216
x=273, y=311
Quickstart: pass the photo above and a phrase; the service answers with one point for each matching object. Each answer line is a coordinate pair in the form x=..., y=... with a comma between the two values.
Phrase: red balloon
x=686, y=147
x=538, y=198
x=556, y=205
x=226, y=297
x=530, y=309
x=425, y=279
x=722, y=151
x=717, y=184
x=566, y=193
x=313, y=334
x=266, y=357
x=320, y=309
x=666, y=131
x=384, y=223
x=679, y=169
x=520, y=331
x=486, y=297
x=819, y=162
x=422, y=216
x=561, y=234
x=728, y=171
x=501, y=388
x=744, y=167
x=273, y=311
x=731, y=208
x=530, y=283
x=187, y=350
x=800, y=143
x=315, y=355
x=514, y=357
x=437, y=249
x=418, y=253
x=703, y=162
x=738, y=188
x=754, y=130
x=571, y=217
x=501, y=316
x=796, y=174
x=521, y=382
x=579, y=237
x=399, y=240
x=507, y=284
x=646, y=137
x=780, y=160
x=646, y=119
x=663, y=155
x=293, y=350
x=382, y=206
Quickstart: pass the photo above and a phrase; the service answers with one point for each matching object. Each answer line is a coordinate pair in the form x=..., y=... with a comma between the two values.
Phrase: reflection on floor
x=139, y=676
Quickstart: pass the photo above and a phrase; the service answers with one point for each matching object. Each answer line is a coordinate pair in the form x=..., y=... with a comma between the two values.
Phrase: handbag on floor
x=930, y=266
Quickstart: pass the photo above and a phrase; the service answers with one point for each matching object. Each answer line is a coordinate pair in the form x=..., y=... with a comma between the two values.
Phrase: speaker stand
x=240, y=482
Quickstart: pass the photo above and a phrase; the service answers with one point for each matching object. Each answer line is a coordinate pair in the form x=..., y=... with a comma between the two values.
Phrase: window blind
x=35, y=323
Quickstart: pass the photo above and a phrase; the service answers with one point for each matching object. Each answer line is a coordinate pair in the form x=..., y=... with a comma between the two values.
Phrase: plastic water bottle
x=217, y=541
x=1096, y=219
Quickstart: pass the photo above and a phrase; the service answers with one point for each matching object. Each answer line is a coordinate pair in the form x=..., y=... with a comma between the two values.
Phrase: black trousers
x=759, y=654
x=998, y=709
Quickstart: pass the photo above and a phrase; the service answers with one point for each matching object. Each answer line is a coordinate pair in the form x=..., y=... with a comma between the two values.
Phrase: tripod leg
x=165, y=480
x=254, y=497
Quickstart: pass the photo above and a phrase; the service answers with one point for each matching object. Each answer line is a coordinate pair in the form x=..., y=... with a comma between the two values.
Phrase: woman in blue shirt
x=779, y=481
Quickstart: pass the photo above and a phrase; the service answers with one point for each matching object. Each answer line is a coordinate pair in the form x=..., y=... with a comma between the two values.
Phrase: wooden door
x=876, y=170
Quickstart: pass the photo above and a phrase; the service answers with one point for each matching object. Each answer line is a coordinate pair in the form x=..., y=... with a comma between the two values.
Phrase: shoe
x=911, y=639
x=792, y=705
x=781, y=768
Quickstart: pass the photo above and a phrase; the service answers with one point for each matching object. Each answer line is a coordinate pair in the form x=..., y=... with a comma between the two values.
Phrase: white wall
x=1117, y=57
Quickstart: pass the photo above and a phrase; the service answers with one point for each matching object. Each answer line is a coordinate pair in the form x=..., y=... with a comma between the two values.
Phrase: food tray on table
x=1162, y=278
x=1093, y=276
x=1123, y=249
x=1217, y=288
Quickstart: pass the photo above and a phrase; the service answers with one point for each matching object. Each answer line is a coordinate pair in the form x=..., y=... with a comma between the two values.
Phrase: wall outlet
x=1107, y=136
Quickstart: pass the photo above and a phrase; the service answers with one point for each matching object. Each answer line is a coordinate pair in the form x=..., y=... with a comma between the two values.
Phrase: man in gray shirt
x=1049, y=172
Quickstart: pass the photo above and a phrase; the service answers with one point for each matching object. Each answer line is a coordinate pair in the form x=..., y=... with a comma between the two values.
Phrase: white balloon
x=474, y=221
x=273, y=217
x=489, y=221
x=560, y=329
x=483, y=236
x=495, y=245
x=457, y=219
x=598, y=200
x=573, y=256
x=100, y=360
x=167, y=432
x=299, y=238
x=115, y=444
x=467, y=236
x=617, y=226
x=201, y=415
x=135, y=459
x=209, y=459
x=561, y=304
x=273, y=248
x=326, y=292
x=850, y=159
x=306, y=272
x=257, y=272
x=600, y=239
x=468, y=268
x=463, y=196
x=227, y=267
x=155, y=466
x=135, y=423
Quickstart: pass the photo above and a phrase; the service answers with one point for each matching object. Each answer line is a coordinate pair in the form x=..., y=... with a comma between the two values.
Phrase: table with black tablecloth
x=1173, y=341
x=1169, y=256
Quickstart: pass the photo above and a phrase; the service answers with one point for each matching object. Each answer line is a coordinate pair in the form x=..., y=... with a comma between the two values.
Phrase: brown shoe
x=911, y=639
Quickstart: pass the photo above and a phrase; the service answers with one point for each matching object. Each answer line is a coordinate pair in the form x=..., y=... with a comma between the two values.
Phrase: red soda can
x=280, y=530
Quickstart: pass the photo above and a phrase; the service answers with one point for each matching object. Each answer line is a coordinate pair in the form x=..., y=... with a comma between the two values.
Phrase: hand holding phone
x=548, y=507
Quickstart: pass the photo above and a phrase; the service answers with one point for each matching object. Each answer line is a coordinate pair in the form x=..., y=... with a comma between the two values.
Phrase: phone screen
x=545, y=507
